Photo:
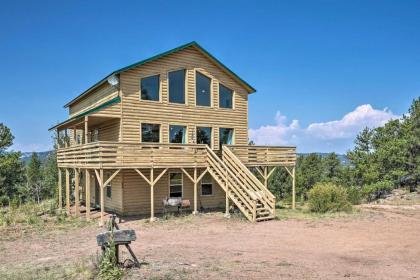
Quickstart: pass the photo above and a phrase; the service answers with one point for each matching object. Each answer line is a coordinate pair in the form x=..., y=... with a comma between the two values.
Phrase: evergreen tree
x=34, y=177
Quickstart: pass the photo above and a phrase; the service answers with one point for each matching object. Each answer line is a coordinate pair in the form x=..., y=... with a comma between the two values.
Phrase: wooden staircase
x=254, y=200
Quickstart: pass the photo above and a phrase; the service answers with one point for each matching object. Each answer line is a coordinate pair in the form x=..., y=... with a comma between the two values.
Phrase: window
x=202, y=90
x=177, y=134
x=149, y=88
x=150, y=132
x=108, y=189
x=175, y=184
x=225, y=136
x=94, y=135
x=177, y=86
x=225, y=97
x=207, y=185
x=204, y=135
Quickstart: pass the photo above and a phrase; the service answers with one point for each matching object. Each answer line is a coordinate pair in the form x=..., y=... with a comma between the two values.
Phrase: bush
x=354, y=195
x=4, y=200
x=108, y=267
x=328, y=197
x=377, y=190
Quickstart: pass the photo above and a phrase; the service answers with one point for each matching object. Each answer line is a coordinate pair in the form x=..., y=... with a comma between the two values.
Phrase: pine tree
x=34, y=177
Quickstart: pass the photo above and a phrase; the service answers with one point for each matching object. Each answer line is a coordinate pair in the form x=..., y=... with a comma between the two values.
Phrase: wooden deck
x=120, y=155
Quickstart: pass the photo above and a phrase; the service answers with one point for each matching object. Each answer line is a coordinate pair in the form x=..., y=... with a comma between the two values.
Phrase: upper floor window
x=225, y=136
x=177, y=86
x=204, y=135
x=177, y=134
x=225, y=97
x=149, y=88
x=202, y=90
x=150, y=132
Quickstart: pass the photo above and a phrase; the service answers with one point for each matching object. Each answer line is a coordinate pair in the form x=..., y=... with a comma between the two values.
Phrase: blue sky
x=322, y=69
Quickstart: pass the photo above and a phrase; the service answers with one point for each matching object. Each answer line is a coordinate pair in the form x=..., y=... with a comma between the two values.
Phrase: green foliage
x=354, y=195
x=108, y=267
x=4, y=200
x=377, y=190
x=328, y=197
x=6, y=138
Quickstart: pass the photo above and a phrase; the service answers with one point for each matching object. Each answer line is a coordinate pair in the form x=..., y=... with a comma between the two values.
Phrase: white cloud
x=336, y=135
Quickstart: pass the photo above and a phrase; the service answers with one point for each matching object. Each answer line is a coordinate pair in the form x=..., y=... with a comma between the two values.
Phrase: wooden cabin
x=171, y=126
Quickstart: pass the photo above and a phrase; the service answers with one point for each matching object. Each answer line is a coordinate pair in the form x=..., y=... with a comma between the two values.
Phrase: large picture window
x=175, y=184
x=225, y=136
x=202, y=90
x=150, y=132
x=225, y=97
x=204, y=135
x=177, y=134
x=177, y=86
x=207, y=185
x=149, y=88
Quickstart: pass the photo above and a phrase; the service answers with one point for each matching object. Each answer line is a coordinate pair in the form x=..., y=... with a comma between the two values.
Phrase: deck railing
x=125, y=155
x=264, y=155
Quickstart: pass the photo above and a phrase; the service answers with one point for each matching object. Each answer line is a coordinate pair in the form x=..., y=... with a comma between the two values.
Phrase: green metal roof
x=191, y=44
x=114, y=100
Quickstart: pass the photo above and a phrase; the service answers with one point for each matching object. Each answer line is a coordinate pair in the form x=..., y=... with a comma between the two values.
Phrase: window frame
x=169, y=184
x=159, y=88
x=233, y=136
x=152, y=123
x=210, y=91
x=233, y=97
x=211, y=134
x=212, y=186
x=169, y=133
x=185, y=87
x=108, y=188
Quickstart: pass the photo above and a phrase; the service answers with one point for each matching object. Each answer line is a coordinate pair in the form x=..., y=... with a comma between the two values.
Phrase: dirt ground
x=378, y=242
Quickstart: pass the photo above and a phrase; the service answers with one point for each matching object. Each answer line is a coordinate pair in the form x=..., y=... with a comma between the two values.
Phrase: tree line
x=382, y=159
x=19, y=183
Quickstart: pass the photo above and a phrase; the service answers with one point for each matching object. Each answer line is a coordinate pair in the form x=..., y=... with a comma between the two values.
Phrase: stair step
x=265, y=218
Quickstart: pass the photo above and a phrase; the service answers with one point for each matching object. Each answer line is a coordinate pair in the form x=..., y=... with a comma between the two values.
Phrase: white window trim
x=182, y=183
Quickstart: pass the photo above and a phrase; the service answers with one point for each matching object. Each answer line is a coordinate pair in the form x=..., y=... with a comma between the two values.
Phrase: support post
x=101, y=187
x=76, y=192
x=87, y=192
x=86, y=130
x=67, y=191
x=227, y=214
x=152, y=197
x=266, y=176
x=60, y=191
x=195, y=212
x=293, y=188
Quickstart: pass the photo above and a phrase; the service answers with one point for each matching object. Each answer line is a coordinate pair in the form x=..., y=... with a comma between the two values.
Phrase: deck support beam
x=195, y=179
x=293, y=175
x=76, y=192
x=152, y=182
x=67, y=191
x=87, y=193
x=60, y=190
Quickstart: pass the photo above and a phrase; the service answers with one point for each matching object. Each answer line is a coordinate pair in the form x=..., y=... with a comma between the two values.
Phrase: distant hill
x=26, y=156
x=343, y=158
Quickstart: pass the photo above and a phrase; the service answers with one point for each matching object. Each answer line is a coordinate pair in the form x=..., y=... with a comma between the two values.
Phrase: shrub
x=108, y=267
x=328, y=197
x=377, y=190
x=4, y=200
x=354, y=195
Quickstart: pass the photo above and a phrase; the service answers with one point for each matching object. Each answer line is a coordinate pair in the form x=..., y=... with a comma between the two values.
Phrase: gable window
x=225, y=136
x=150, y=132
x=207, y=185
x=202, y=90
x=175, y=184
x=177, y=86
x=204, y=135
x=225, y=97
x=149, y=88
x=177, y=134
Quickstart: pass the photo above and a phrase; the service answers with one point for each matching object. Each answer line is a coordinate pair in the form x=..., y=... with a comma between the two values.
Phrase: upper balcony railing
x=265, y=155
x=116, y=155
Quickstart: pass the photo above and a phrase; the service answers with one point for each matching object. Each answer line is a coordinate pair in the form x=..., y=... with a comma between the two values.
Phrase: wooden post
x=195, y=212
x=293, y=188
x=76, y=192
x=60, y=191
x=101, y=187
x=86, y=130
x=265, y=176
x=74, y=136
x=227, y=214
x=152, y=197
x=67, y=191
x=87, y=191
